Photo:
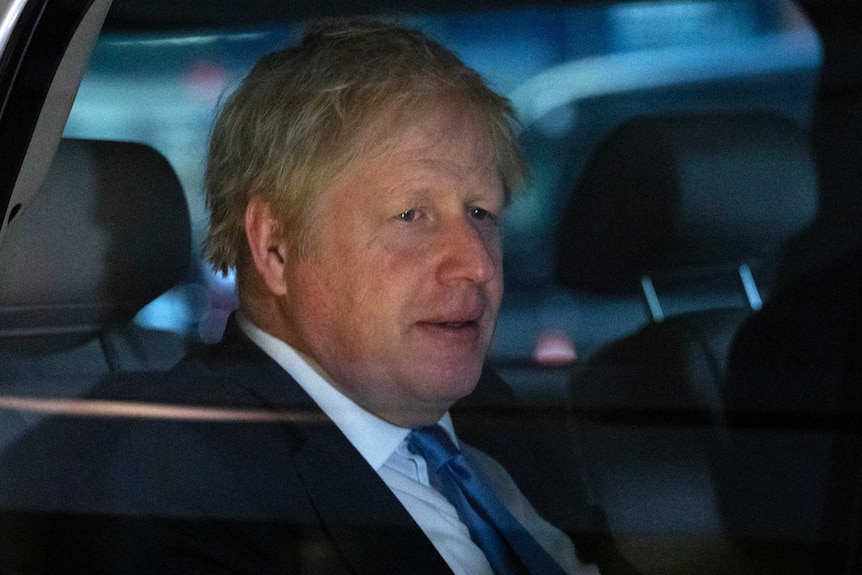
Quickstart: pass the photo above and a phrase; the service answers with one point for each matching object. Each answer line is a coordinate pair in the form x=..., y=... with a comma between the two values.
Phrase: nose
x=467, y=252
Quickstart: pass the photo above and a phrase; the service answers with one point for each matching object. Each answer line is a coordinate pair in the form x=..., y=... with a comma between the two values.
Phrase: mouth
x=463, y=330
x=456, y=325
x=453, y=327
x=464, y=324
x=464, y=319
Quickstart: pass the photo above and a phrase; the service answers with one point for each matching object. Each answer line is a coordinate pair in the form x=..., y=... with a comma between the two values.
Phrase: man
x=356, y=184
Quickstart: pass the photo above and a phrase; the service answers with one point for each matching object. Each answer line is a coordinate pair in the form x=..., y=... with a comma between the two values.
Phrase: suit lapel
x=367, y=523
x=370, y=529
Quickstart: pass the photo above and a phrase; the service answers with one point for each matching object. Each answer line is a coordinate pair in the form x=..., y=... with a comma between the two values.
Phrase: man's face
x=398, y=301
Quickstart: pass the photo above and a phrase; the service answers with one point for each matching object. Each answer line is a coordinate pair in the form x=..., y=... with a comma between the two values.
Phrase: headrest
x=667, y=194
x=107, y=233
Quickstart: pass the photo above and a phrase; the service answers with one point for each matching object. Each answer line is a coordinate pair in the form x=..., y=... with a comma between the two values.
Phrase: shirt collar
x=374, y=438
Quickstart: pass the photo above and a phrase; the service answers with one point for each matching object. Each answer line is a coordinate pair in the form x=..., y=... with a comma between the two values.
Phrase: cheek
x=495, y=286
x=377, y=294
x=363, y=296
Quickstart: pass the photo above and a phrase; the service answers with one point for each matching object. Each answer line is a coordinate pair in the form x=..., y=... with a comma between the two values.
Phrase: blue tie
x=509, y=548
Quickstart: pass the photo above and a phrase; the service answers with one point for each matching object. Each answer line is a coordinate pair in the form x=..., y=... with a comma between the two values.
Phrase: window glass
x=573, y=75
x=681, y=441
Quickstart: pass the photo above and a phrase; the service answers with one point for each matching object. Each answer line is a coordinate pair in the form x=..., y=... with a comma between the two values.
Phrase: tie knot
x=433, y=443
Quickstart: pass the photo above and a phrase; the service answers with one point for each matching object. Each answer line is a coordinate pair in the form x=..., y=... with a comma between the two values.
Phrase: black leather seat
x=690, y=209
x=107, y=233
x=792, y=476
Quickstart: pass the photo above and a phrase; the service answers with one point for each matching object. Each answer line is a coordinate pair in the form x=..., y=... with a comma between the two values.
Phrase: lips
x=453, y=325
x=465, y=328
x=457, y=320
x=454, y=336
x=458, y=324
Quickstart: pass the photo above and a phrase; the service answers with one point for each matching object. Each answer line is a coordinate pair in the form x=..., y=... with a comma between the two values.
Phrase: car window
x=572, y=74
x=680, y=283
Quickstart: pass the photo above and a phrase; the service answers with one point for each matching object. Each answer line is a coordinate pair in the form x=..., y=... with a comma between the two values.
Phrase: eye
x=481, y=214
x=407, y=216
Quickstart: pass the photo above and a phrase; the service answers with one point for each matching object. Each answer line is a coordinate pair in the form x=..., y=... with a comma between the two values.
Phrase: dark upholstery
x=684, y=200
x=107, y=233
x=665, y=194
x=793, y=470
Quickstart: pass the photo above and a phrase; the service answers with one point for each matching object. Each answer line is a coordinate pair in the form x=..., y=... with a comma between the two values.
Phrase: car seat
x=688, y=209
x=107, y=233
x=790, y=482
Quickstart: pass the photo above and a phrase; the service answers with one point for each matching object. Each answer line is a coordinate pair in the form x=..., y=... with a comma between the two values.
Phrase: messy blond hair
x=295, y=122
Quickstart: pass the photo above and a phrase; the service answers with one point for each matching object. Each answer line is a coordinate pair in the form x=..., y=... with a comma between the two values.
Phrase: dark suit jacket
x=186, y=496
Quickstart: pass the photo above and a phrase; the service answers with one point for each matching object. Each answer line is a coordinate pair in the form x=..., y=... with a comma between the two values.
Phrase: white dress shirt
x=383, y=445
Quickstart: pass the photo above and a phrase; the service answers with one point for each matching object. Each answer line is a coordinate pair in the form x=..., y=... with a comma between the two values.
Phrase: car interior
x=697, y=271
x=104, y=209
x=666, y=222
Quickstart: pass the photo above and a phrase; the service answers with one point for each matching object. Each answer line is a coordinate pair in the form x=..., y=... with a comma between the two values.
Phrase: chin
x=453, y=384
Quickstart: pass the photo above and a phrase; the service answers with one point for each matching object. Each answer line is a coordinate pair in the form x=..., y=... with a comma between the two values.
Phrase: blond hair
x=295, y=122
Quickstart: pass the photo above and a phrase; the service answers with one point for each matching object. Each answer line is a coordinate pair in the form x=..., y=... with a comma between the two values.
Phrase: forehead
x=441, y=129
x=400, y=153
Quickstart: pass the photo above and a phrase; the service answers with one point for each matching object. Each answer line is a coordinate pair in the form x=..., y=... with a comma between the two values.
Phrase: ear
x=268, y=244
